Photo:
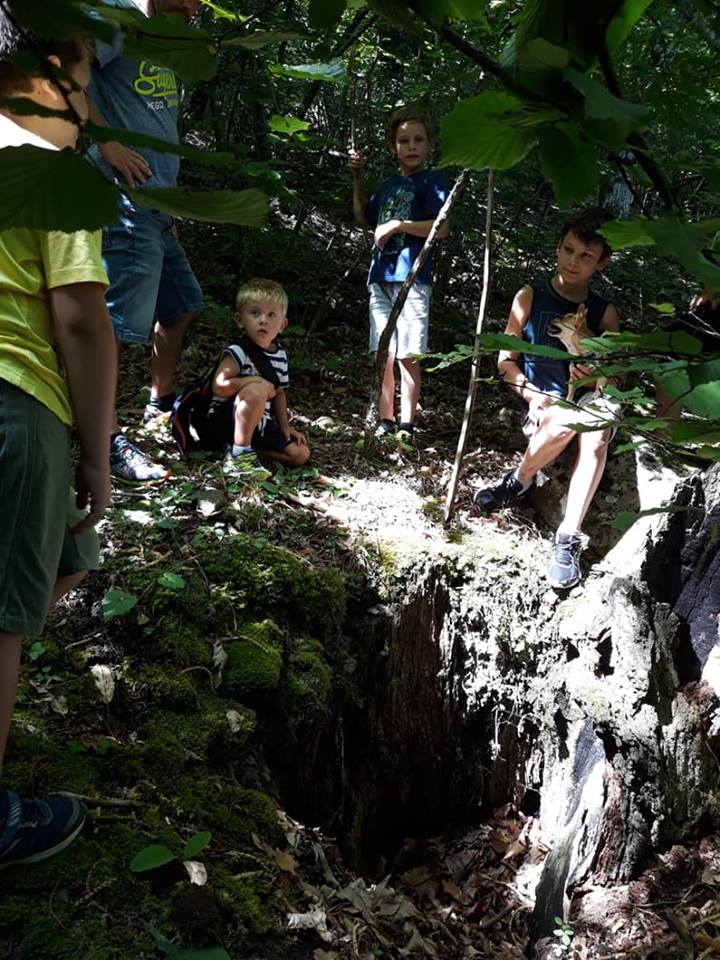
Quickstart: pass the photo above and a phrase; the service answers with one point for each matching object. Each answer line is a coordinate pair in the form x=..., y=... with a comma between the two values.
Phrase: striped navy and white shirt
x=277, y=358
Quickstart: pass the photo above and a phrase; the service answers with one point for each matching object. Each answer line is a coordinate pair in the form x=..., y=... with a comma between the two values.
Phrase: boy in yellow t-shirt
x=51, y=298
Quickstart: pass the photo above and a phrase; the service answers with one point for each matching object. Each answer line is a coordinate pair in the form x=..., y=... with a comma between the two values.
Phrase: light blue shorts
x=411, y=334
x=150, y=277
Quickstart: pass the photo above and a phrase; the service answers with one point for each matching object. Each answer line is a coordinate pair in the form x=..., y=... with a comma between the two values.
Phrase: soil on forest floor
x=465, y=895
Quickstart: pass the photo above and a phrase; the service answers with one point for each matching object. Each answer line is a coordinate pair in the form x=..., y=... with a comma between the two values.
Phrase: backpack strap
x=258, y=357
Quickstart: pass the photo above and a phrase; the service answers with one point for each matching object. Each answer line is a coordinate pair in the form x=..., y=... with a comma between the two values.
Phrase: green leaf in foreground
x=132, y=139
x=485, y=132
x=171, y=581
x=246, y=208
x=626, y=233
x=289, y=125
x=262, y=38
x=679, y=240
x=53, y=190
x=221, y=13
x=621, y=25
x=568, y=161
x=166, y=41
x=117, y=602
x=326, y=13
x=623, y=521
x=600, y=104
x=332, y=72
x=60, y=21
x=195, y=844
x=152, y=857
x=187, y=953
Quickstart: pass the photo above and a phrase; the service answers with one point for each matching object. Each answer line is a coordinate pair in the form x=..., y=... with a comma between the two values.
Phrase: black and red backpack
x=188, y=419
x=189, y=414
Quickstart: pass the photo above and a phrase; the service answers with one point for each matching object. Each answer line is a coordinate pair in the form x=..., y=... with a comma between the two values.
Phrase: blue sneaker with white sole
x=36, y=829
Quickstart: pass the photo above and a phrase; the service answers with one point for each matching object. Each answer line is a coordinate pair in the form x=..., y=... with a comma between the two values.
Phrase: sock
x=237, y=449
x=159, y=400
x=567, y=529
x=525, y=486
x=407, y=427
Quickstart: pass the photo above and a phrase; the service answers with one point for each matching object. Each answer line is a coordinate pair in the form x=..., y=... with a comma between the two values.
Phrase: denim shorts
x=411, y=334
x=150, y=277
x=38, y=510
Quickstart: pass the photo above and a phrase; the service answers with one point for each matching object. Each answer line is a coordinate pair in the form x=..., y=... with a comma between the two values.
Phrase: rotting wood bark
x=597, y=711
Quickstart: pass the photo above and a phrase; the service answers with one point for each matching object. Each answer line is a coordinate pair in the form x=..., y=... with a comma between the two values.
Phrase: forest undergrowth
x=183, y=687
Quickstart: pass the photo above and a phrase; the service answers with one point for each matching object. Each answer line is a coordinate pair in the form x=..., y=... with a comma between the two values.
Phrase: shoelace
x=568, y=551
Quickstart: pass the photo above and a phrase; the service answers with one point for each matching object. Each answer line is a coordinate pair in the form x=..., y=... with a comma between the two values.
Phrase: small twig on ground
x=105, y=801
x=491, y=921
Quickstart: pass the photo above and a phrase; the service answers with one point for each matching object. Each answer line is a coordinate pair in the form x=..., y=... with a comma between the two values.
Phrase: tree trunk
x=595, y=710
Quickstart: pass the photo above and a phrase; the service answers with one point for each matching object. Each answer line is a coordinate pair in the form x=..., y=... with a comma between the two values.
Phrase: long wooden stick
x=382, y=350
x=353, y=105
x=472, y=386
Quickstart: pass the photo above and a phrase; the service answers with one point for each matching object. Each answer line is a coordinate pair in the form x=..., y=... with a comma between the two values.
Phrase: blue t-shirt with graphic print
x=419, y=196
x=551, y=376
x=136, y=95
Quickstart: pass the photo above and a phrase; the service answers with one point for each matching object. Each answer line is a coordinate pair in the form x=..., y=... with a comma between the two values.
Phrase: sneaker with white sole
x=36, y=829
x=564, y=571
x=244, y=467
x=504, y=493
x=129, y=463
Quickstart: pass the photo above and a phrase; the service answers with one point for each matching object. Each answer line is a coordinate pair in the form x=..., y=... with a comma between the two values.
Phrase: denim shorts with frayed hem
x=150, y=276
x=36, y=546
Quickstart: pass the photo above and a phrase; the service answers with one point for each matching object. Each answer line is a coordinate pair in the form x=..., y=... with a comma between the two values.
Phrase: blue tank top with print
x=551, y=376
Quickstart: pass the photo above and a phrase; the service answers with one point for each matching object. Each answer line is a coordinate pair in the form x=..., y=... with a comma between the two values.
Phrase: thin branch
x=472, y=386
x=636, y=141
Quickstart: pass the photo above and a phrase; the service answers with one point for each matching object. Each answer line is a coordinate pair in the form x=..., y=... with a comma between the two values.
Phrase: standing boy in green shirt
x=52, y=288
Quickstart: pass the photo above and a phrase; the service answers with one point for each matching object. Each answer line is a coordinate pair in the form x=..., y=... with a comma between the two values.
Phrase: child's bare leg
x=387, y=393
x=409, y=389
x=10, y=651
x=249, y=409
x=294, y=454
x=547, y=443
x=66, y=584
x=167, y=345
x=10, y=654
x=586, y=475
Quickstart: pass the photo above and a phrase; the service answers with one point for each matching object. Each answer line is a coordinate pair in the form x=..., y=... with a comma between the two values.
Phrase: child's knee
x=253, y=393
x=298, y=453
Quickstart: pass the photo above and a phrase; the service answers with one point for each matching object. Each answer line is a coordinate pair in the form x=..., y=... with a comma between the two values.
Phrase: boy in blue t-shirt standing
x=401, y=213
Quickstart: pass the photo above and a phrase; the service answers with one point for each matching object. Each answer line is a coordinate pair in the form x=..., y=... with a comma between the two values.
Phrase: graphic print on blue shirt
x=551, y=376
x=419, y=196
x=136, y=95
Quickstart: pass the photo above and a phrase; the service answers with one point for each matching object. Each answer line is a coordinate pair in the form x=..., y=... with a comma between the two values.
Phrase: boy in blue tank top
x=540, y=382
x=401, y=214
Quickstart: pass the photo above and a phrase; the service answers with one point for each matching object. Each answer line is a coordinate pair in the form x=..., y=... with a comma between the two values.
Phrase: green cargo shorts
x=37, y=512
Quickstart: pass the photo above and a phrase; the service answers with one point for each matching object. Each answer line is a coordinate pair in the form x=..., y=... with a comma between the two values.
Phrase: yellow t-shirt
x=32, y=262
